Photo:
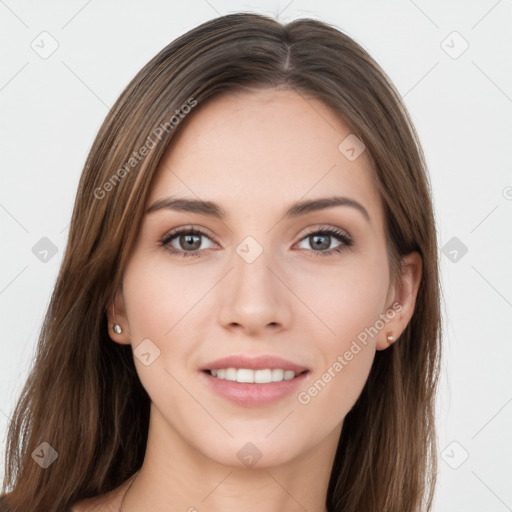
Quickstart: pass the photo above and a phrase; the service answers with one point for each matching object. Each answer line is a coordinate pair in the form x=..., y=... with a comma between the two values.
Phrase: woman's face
x=258, y=282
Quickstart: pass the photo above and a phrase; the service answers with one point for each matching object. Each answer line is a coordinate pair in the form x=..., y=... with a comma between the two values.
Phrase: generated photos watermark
x=305, y=397
x=139, y=155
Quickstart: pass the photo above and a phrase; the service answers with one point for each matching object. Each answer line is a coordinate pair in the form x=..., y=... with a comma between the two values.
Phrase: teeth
x=253, y=376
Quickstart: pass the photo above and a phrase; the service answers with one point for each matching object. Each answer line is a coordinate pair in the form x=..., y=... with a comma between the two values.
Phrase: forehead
x=267, y=148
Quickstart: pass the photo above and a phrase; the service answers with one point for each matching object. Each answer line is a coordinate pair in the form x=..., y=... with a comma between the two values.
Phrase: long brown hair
x=83, y=396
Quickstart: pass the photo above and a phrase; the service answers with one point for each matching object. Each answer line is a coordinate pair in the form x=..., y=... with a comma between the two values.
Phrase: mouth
x=248, y=388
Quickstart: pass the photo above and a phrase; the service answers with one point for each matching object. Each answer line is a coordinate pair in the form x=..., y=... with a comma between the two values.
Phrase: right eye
x=188, y=241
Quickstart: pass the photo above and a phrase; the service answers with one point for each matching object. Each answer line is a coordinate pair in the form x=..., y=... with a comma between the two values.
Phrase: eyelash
x=335, y=233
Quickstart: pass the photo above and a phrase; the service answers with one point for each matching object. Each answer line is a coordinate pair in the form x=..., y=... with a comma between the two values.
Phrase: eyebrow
x=215, y=210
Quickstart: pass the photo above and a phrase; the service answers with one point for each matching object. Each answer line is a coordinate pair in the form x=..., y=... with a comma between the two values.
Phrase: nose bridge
x=251, y=276
x=253, y=297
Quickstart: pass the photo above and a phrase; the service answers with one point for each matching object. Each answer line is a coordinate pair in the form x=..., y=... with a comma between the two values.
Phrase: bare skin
x=108, y=502
x=254, y=154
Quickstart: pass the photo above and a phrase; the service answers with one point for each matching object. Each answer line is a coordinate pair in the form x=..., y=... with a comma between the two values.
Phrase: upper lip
x=254, y=363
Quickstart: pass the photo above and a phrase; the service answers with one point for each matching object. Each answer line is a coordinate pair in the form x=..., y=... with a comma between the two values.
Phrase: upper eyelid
x=185, y=229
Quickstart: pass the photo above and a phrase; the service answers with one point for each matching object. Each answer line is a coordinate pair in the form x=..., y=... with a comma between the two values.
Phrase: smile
x=248, y=391
x=263, y=376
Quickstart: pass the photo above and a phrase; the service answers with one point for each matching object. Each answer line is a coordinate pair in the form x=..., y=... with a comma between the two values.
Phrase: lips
x=254, y=363
x=253, y=394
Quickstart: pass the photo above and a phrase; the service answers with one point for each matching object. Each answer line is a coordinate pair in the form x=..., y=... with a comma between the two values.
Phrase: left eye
x=321, y=238
x=189, y=241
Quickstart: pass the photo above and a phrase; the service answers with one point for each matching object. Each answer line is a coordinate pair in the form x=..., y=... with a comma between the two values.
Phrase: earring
x=116, y=327
x=390, y=338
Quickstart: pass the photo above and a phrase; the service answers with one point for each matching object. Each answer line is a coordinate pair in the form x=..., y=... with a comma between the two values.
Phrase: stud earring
x=391, y=339
x=116, y=327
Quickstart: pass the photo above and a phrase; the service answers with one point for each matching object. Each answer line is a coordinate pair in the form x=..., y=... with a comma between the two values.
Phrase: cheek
x=342, y=300
x=162, y=302
x=159, y=331
x=159, y=297
x=347, y=304
x=345, y=352
x=331, y=393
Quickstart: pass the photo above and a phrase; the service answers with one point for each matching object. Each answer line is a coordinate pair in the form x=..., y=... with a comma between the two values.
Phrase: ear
x=116, y=314
x=403, y=296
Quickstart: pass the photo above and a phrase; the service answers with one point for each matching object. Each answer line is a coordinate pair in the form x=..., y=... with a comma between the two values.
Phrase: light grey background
x=460, y=101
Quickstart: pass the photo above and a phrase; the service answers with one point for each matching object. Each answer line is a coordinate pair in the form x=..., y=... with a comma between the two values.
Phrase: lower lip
x=253, y=395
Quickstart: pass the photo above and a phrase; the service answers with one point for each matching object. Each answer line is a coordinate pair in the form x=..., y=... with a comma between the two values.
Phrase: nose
x=254, y=297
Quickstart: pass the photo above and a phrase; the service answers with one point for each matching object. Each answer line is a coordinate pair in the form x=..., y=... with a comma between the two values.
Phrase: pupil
x=190, y=241
x=325, y=245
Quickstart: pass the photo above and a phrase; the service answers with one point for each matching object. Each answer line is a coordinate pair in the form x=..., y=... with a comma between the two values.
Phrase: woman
x=248, y=309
